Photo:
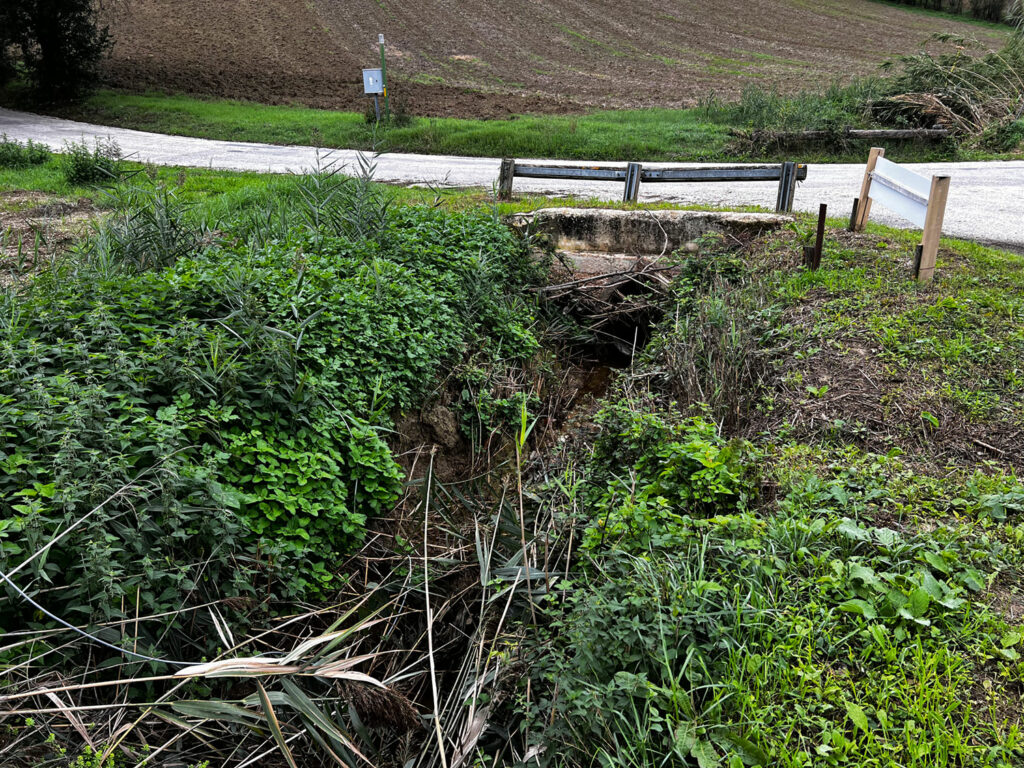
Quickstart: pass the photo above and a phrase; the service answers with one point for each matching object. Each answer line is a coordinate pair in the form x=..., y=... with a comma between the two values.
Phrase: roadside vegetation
x=327, y=472
x=996, y=11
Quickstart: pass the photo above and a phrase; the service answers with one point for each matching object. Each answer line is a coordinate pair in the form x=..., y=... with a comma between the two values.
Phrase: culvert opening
x=612, y=317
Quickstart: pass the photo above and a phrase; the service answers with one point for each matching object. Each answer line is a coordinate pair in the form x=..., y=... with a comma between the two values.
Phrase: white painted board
x=920, y=185
x=909, y=208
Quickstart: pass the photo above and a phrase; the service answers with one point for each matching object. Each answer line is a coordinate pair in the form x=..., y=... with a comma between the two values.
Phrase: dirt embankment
x=477, y=58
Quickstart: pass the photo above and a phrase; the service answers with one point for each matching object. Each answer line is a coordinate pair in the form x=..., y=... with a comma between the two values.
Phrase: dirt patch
x=34, y=228
x=845, y=388
x=484, y=59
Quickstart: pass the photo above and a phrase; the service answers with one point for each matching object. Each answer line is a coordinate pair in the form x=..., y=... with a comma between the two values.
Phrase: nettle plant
x=660, y=474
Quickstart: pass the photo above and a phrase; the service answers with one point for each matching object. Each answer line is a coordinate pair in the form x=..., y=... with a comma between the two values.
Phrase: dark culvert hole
x=612, y=322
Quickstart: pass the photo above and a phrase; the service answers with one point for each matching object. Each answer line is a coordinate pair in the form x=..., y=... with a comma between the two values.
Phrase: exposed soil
x=35, y=227
x=485, y=59
x=848, y=391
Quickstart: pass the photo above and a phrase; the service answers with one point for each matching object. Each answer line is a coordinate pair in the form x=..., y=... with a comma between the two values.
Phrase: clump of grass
x=980, y=98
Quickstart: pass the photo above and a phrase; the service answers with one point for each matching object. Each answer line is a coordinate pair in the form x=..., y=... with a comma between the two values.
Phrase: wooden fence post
x=864, y=206
x=505, y=176
x=632, y=191
x=933, y=227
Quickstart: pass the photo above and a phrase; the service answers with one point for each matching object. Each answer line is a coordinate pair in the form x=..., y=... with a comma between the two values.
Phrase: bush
x=59, y=42
x=211, y=413
x=14, y=154
x=100, y=165
x=653, y=475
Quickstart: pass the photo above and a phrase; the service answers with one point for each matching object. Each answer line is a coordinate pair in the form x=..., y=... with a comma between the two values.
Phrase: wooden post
x=505, y=176
x=864, y=206
x=917, y=261
x=933, y=227
x=632, y=191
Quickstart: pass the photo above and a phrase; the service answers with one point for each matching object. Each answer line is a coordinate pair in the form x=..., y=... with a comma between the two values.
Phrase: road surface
x=986, y=199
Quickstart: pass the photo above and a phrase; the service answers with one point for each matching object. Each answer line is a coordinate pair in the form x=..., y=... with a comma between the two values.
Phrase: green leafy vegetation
x=826, y=591
x=978, y=98
x=211, y=410
x=349, y=452
x=15, y=155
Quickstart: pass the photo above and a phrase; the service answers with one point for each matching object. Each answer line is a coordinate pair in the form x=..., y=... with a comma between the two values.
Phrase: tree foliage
x=57, y=43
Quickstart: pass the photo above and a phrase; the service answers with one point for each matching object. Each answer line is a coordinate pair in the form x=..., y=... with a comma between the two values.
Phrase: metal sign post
x=384, y=79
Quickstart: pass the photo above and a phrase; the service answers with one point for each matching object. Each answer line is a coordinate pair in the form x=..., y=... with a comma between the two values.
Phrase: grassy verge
x=689, y=135
x=804, y=522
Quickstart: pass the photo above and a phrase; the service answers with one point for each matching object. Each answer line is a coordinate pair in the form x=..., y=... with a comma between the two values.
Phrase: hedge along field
x=191, y=416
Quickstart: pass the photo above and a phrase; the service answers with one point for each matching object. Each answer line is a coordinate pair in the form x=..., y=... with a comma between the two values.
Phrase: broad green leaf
x=749, y=752
x=932, y=586
x=918, y=603
x=857, y=716
x=937, y=562
x=863, y=574
x=705, y=754
x=860, y=607
x=685, y=737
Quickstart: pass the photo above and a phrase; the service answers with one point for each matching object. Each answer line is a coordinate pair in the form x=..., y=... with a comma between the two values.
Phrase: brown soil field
x=481, y=58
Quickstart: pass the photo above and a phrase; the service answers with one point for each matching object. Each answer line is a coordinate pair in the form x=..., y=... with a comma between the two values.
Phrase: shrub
x=210, y=414
x=100, y=165
x=59, y=42
x=14, y=154
x=658, y=474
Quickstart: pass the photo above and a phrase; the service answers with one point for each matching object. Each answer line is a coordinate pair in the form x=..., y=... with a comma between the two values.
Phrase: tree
x=59, y=42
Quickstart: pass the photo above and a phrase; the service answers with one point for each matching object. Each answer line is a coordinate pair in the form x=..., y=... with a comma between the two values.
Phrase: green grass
x=652, y=135
x=619, y=135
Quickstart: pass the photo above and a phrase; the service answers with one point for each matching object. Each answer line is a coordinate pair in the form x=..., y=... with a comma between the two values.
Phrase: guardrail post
x=633, y=173
x=864, y=206
x=933, y=228
x=787, y=188
x=505, y=176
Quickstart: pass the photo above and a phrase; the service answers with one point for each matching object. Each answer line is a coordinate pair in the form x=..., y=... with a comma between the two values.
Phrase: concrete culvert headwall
x=638, y=232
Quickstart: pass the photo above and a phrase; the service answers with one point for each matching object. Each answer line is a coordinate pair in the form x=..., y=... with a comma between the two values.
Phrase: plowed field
x=487, y=58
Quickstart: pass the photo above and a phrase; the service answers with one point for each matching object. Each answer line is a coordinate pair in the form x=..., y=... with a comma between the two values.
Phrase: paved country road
x=986, y=199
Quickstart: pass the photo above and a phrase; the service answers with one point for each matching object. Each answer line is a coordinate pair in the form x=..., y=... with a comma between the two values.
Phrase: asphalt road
x=986, y=199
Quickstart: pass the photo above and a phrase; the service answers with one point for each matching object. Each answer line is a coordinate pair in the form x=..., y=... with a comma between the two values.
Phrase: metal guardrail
x=786, y=174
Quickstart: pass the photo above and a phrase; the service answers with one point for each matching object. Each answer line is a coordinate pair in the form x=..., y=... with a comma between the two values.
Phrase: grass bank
x=653, y=135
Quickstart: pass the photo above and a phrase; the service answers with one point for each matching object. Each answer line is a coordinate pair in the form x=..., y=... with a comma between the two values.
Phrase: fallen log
x=867, y=134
